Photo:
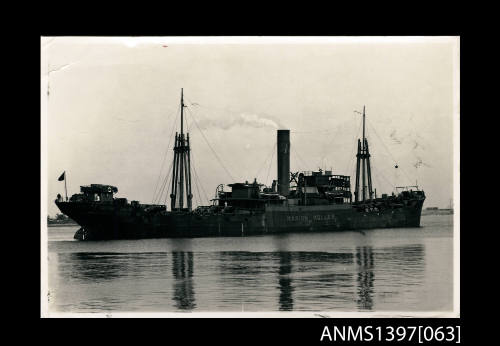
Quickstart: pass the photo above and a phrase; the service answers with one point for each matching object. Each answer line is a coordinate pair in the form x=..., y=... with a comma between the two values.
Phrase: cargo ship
x=314, y=201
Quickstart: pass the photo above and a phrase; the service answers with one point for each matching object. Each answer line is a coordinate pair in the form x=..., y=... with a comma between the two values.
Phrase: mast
x=181, y=180
x=363, y=160
x=174, y=175
x=363, y=127
x=369, y=171
x=363, y=172
x=181, y=176
x=182, y=112
x=188, y=185
x=358, y=157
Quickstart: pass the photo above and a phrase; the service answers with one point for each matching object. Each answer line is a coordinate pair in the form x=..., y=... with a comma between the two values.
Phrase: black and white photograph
x=251, y=176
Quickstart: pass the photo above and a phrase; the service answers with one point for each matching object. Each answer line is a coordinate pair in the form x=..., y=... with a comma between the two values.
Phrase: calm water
x=374, y=270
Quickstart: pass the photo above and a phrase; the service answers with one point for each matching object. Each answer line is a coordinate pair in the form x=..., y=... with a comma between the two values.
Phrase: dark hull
x=108, y=221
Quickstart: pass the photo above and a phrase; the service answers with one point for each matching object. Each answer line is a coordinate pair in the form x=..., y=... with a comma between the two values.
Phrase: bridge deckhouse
x=318, y=187
x=95, y=193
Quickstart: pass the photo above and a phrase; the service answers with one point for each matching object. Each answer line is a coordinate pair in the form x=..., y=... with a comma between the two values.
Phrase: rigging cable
x=198, y=179
x=296, y=159
x=169, y=182
x=166, y=153
x=170, y=169
x=198, y=195
x=395, y=161
x=379, y=173
x=188, y=126
x=270, y=164
x=162, y=186
x=213, y=151
x=164, y=158
x=355, y=146
x=195, y=196
x=334, y=137
x=264, y=163
x=297, y=154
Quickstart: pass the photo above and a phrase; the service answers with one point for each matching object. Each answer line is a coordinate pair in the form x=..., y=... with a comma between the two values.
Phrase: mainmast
x=181, y=178
x=363, y=159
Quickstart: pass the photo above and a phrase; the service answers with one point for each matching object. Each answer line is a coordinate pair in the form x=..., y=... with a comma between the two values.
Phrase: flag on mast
x=61, y=178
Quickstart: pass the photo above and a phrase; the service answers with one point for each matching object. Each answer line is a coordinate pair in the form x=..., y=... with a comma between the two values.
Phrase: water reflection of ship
x=321, y=280
x=403, y=267
x=365, y=278
x=285, y=281
x=301, y=279
x=182, y=270
x=247, y=270
x=286, y=289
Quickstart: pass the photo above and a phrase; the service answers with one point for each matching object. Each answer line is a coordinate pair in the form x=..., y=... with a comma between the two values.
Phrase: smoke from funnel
x=244, y=119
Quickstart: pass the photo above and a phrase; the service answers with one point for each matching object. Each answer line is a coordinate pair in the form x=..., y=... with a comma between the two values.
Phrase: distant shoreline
x=437, y=212
x=62, y=224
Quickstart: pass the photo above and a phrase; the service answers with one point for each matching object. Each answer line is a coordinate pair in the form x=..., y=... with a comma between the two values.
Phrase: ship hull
x=101, y=221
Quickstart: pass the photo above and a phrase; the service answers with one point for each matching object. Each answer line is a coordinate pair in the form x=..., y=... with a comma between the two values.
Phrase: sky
x=110, y=106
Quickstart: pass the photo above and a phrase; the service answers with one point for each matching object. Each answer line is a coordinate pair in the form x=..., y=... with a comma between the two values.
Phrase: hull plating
x=106, y=221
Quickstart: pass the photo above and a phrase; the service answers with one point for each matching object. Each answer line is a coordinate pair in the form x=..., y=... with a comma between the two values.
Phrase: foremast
x=181, y=178
x=363, y=162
